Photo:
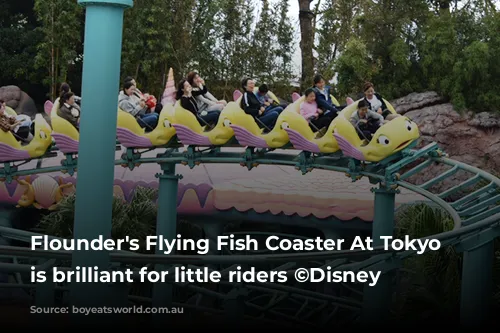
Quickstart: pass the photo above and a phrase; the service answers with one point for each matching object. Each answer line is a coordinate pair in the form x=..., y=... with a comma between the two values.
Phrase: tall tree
x=285, y=44
x=306, y=17
x=263, y=61
x=390, y=33
x=61, y=25
x=18, y=42
x=157, y=35
x=353, y=67
x=180, y=33
x=334, y=28
x=203, y=34
x=234, y=45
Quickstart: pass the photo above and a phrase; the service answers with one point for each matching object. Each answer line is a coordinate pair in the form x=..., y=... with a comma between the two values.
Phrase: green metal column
x=477, y=278
x=96, y=153
x=166, y=226
x=212, y=229
x=234, y=306
x=377, y=299
x=4, y=222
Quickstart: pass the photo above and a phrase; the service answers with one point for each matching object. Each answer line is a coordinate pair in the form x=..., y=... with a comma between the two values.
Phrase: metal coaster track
x=476, y=216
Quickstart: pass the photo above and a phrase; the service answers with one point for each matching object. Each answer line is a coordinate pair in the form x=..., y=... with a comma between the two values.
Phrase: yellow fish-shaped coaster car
x=131, y=135
x=249, y=134
x=389, y=139
x=12, y=150
x=303, y=138
x=190, y=132
x=65, y=134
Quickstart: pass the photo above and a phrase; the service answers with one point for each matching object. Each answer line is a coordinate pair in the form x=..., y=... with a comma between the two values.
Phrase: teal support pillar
x=477, y=280
x=234, y=306
x=377, y=299
x=331, y=234
x=212, y=230
x=4, y=222
x=45, y=291
x=96, y=153
x=166, y=226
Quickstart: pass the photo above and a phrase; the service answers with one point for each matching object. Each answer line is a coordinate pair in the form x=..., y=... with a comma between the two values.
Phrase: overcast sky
x=294, y=17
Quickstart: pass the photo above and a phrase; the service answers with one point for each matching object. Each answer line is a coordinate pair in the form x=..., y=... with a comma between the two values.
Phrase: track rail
x=473, y=204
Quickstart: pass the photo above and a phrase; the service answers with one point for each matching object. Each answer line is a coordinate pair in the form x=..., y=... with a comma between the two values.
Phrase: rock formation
x=18, y=100
x=472, y=138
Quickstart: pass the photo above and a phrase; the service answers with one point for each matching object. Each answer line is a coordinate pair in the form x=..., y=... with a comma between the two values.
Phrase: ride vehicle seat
x=190, y=131
x=131, y=135
x=64, y=133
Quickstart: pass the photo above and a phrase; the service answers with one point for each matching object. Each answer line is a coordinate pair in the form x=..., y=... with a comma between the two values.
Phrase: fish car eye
x=383, y=140
x=408, y=125
x=227, y=122
x=167, y=123
x=43, y=135
x=284, y=125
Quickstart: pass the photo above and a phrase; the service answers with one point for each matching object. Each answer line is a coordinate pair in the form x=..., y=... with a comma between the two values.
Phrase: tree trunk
x=52, y=57
x=444, y=7
x=137, y=68
x=306, y=17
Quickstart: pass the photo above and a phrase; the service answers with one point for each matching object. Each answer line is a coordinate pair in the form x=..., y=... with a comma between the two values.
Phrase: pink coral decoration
x=169, y=92
x=47, y=107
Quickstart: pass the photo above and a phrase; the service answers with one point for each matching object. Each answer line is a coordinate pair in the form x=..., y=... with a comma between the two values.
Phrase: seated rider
x=128, y=102
x=69, y=110
x=204, y=99
x=309, y=110
x=365, y=121
x=375, y=101
x=324, y=98
x=65, y=88
x=151, y=101
x=252, y=106
x=188, y=102
x=21, y=125
x=266, y=100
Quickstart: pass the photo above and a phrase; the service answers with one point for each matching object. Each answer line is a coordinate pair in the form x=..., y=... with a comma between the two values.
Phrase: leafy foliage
x=61, y=27
x=419, y=45
x=136, y=219
x=285, y=43
x=433, y=285
x=353, y=67
x=264, y=45
x=402, y=46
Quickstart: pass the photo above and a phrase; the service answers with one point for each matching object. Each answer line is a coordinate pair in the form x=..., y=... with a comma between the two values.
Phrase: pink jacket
x=308, y=110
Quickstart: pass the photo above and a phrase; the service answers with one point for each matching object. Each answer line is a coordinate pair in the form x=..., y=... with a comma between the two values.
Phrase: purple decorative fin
x=202, y=192
x=245, y=138
x=188, y=137
x=301, y=143
x=11, y=188
x=295, y=96
x=236, y=94
x=47, y=107
x=129, y=139
x=9, y=154
x=65, y=144
x=348, y=148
